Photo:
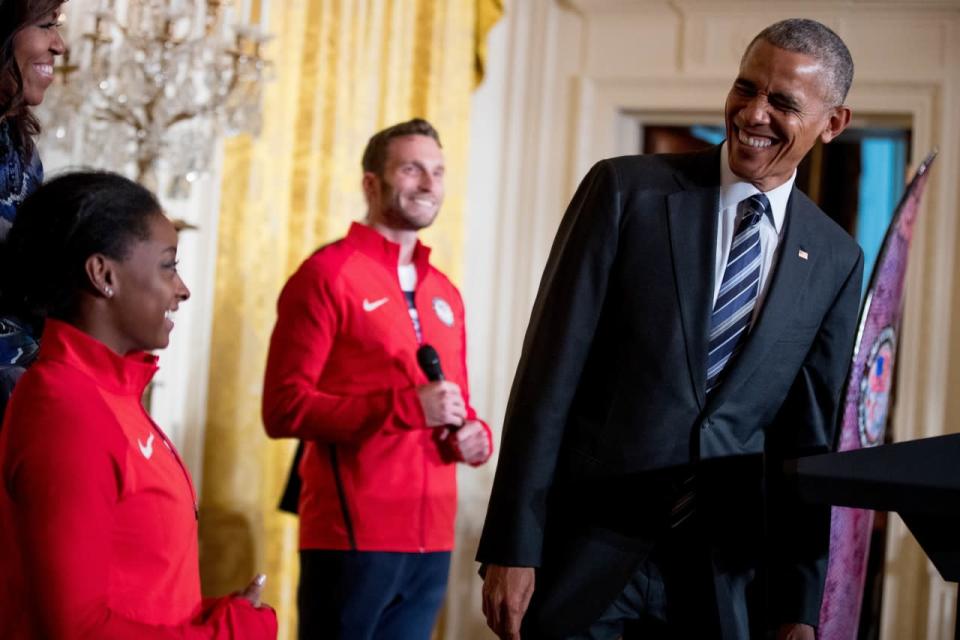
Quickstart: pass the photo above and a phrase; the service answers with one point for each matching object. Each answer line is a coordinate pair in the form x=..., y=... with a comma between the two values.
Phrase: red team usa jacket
x=342, y=376
x=98, y=521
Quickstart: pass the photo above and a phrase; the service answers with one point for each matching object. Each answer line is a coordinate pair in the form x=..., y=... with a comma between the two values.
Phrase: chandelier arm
x=128, y=117
x=185, y=115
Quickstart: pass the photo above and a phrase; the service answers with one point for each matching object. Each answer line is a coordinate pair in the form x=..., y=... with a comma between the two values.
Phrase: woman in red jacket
x=98, y=515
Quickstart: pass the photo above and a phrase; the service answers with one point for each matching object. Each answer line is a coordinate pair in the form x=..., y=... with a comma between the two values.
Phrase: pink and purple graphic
x=865, y=414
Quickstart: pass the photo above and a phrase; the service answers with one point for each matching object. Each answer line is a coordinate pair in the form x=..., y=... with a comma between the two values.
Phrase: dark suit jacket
x=611, y=386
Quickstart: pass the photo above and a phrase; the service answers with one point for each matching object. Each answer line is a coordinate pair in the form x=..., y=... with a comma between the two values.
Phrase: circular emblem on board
x=875, y=388
x=442, y=308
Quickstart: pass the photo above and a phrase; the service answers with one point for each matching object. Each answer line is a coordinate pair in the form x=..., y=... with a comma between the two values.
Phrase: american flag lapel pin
x=803, y=255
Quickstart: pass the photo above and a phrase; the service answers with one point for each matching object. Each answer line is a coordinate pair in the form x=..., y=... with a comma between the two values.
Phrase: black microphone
x=429, y=361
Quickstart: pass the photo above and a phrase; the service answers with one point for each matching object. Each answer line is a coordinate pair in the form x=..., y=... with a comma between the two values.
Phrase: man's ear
x=839, y=119
x=371, y=186
x=100, y=272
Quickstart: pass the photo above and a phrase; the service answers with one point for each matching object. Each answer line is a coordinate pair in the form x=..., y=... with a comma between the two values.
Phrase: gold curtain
x=343, y=70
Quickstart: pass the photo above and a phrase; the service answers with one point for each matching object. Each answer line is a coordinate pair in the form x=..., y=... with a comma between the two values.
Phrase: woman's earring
x=108, y=291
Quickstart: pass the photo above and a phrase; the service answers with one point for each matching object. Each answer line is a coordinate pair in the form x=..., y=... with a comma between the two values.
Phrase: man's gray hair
x=818, y=41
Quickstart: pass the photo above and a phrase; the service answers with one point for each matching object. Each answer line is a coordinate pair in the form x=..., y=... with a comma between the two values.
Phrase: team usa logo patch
x=442, y=308
x=875, y=388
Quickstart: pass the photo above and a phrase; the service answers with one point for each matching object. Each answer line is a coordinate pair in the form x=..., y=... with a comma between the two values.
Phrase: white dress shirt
x=732, y=191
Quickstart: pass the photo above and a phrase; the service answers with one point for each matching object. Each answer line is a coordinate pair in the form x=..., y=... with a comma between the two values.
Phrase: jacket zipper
x=176, y=456
x=421, y=339
x=342, y=495
x=423, y=508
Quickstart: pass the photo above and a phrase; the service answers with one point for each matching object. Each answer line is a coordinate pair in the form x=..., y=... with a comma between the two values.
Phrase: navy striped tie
x=733, y=310
x=729, y=325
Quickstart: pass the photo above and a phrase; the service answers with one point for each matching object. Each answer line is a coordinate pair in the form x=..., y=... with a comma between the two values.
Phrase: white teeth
x=168, y=315
x=753, y=141
x=426, y=202
x=44, y=69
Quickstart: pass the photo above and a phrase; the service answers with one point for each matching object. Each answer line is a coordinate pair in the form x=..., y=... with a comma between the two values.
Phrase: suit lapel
x=789, y=281
x=692, y=223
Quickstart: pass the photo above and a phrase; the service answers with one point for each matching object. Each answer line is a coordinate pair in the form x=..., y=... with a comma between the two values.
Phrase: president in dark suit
x=693, y=329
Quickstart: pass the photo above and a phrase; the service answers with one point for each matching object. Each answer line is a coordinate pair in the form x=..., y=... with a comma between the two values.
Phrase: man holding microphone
x=381, y=440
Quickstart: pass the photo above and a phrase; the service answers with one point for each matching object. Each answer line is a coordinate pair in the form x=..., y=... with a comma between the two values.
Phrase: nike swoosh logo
x=146, y=449
x=373, y=306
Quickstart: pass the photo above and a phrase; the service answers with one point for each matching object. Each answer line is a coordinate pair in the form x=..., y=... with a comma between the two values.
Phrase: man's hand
x=796, y=631
x=469, y=443
x=442, y=404
x=506, y=596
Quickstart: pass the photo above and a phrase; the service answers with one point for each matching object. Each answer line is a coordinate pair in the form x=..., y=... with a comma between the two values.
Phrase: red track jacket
x=342, y=375
x=98, y=526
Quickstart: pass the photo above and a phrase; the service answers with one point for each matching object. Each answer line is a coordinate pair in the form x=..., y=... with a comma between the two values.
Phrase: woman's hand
x=254, y=590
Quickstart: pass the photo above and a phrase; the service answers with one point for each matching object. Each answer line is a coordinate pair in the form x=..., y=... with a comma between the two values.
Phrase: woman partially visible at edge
x=29, y=44
x=98, y=514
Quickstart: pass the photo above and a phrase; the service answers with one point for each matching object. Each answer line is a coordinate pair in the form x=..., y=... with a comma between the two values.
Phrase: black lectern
x=919, y=479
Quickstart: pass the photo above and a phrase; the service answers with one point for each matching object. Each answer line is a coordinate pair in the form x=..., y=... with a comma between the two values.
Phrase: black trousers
x=669, y=596
x=694, y=580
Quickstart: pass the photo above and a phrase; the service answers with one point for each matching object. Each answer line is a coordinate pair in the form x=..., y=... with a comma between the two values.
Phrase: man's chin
x=748, y=165
x=746, y=172
x=418, y=222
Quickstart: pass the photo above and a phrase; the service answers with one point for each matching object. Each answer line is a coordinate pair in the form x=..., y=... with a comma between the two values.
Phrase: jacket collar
x=62, y=342
x=692, y=225
x=369, y=242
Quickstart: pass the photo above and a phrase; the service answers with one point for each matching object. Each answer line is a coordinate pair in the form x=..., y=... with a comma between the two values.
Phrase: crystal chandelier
x=149, y=87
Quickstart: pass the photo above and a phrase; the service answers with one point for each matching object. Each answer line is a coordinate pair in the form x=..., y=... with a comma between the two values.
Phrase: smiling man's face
x=409, y=193
x=776, y=110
